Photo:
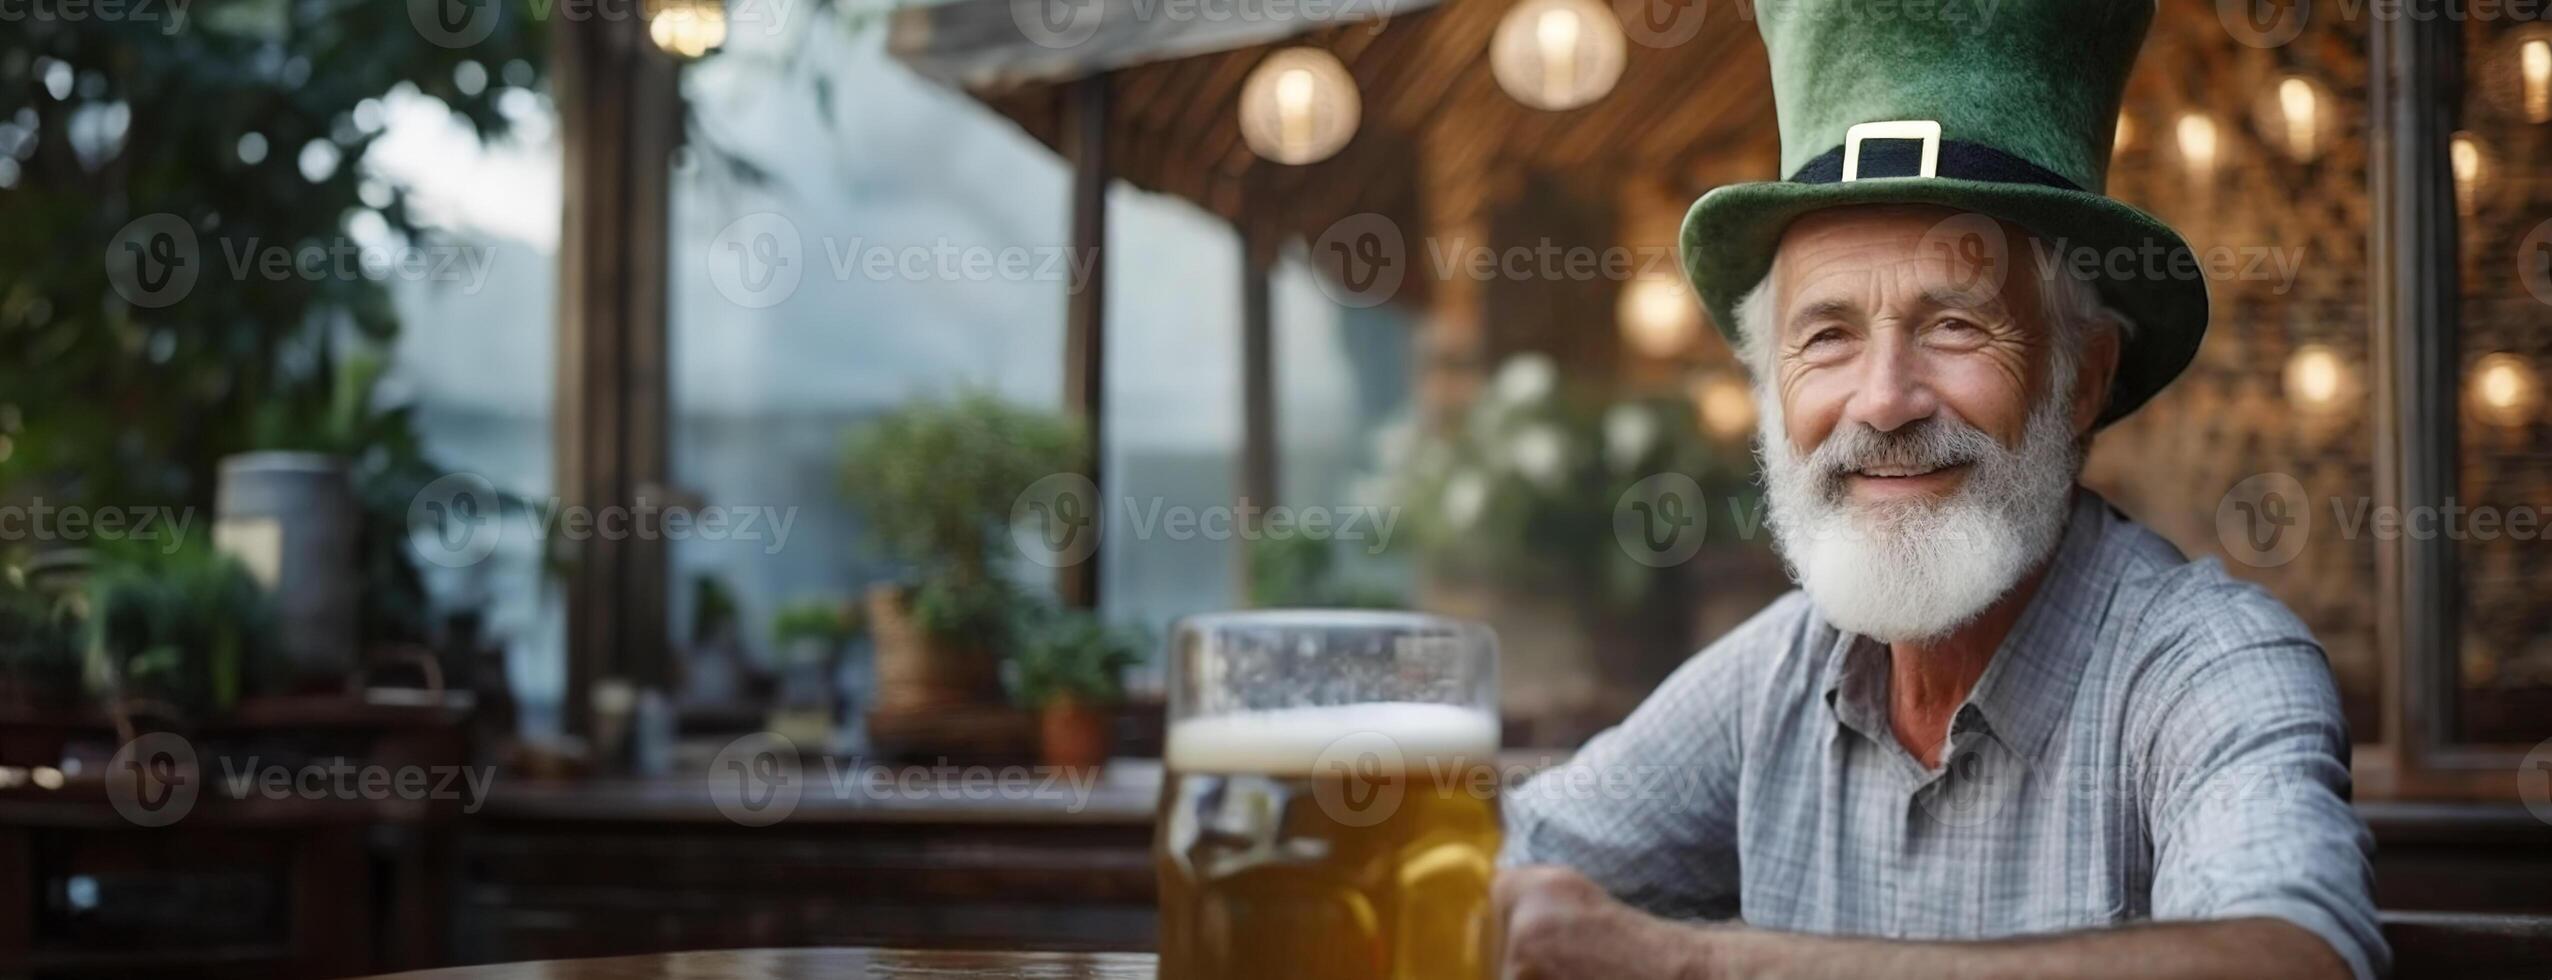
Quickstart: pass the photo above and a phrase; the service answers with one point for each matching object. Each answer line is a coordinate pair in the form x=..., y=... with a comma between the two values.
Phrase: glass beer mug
x=1330, y=803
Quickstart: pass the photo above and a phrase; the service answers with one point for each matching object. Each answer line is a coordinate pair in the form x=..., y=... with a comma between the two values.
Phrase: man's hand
x=1561, y=926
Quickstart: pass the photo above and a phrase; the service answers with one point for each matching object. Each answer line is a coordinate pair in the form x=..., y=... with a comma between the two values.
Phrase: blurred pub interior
x=860, y=279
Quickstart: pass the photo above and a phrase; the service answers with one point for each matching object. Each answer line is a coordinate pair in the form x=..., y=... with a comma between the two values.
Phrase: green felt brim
x=1731, y=234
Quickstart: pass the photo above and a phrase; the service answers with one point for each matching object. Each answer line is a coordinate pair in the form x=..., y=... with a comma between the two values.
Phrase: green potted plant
x=810, y=636
x=40, y=661
x=1071, y=672
x=187, y=627
x=937, y=481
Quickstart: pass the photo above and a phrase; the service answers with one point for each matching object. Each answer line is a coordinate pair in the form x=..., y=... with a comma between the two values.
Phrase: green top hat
x=2006, y=111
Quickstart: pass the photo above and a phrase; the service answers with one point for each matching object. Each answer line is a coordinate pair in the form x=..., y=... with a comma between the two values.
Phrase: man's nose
x=1892, y=389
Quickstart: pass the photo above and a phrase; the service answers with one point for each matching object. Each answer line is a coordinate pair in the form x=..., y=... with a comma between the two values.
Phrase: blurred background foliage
x=249, y=122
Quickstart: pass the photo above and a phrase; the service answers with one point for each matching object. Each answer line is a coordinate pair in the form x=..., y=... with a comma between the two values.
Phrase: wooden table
x=842, y=963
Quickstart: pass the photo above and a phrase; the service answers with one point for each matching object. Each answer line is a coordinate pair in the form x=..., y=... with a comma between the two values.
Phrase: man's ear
x=2093, y=372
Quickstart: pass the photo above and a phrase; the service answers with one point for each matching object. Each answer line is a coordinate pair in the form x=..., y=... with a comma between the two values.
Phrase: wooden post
x=619, y=121
x=2413, y=255
x=1085, y=380
x=1258, y=476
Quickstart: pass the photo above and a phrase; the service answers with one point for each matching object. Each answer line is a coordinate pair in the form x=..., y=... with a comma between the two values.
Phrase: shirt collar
x=2028, y=687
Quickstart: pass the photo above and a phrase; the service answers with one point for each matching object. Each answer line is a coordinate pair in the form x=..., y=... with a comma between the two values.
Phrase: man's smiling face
x=1880, y=326
x=1922, y=411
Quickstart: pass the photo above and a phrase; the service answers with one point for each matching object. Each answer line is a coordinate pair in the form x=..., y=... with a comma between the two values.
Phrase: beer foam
x=1292, y=741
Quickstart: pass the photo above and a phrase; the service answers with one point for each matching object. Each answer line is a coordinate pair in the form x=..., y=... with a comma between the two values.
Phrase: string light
x=687, y=28
x=1658, y=316
x=2300, y=115
x=2315, y=377
x=2534, y=71
x=2504, y=388
x=1726, y=405
x=2197, y=142
x=2471, y=167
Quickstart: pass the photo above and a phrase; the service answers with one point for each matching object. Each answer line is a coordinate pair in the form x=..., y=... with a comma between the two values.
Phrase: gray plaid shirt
x=2154, y=740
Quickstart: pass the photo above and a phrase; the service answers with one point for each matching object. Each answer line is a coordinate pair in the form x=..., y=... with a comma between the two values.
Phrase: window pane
x=836, y=283
x=476, y=355
x=2504, y=199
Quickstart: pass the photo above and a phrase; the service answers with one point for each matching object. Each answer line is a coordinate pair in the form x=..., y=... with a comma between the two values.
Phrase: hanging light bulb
x=687, y=28
x=2197, y=142
x=2315, y=378
x=2534, y=73
x=1726, y=405
x=1658, y=317
x=2298, y=119
x=1558, y=54
x=2471, y=167
x=1299, y=106
x=2504, y=390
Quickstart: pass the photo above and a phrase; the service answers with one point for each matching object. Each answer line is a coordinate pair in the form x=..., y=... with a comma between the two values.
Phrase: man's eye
x=1828, y=335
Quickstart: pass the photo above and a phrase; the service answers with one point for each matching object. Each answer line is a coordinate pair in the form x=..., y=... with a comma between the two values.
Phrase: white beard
x=1917, y=570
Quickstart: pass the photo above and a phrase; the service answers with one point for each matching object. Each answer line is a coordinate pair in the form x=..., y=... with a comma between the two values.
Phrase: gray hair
x=2073, y=308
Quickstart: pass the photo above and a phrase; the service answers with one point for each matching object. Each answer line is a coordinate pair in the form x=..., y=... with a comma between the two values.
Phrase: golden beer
x=1334, y=843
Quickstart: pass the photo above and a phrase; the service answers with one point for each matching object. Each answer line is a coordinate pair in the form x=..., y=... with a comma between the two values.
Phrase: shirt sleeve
x=2248, y=787
x=1648, y=809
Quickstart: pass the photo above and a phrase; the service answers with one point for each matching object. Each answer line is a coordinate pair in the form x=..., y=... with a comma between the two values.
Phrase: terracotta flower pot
x=917, y=671
x=1073, y=733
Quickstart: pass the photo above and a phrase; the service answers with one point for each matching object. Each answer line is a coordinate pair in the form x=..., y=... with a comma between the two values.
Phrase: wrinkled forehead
x=1873, y=259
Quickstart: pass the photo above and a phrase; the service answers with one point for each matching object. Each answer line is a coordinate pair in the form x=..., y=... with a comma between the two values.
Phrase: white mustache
x=1920, y=446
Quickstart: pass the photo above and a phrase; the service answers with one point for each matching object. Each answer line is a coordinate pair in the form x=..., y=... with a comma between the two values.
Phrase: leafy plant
x=828, y=623
x=39, y=644
x=1071, y=653
x=188, y=626
x=245, y=126
x=1301, y=571
x=937, y=481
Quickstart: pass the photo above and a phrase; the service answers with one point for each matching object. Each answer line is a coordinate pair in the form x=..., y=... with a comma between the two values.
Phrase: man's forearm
x=2236, y=947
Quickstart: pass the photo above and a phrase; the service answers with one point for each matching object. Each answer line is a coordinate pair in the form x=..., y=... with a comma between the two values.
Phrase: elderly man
x=2001, y=729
